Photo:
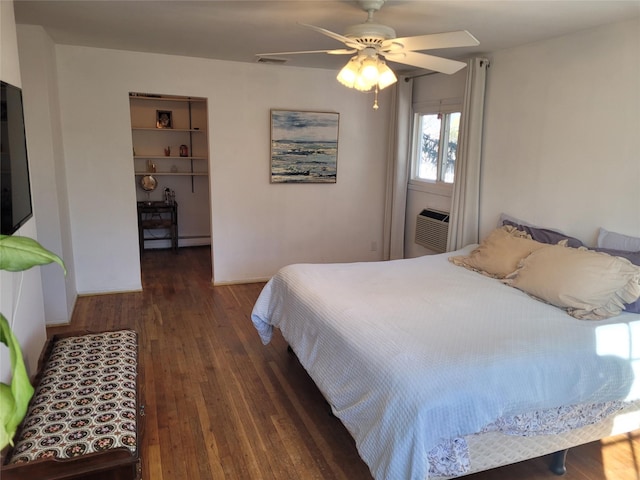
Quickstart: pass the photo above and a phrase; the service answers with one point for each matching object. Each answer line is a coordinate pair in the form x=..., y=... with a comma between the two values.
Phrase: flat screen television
x=15, y=190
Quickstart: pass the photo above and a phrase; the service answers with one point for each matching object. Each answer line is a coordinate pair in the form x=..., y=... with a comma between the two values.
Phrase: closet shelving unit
x=188, y=127
x=159, y=151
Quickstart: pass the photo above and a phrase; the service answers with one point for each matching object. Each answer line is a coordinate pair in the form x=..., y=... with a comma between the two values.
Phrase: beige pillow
x=498, y=254
x=590, y=285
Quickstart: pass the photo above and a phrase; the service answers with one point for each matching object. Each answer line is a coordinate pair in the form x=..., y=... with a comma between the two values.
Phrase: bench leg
x=558, y=459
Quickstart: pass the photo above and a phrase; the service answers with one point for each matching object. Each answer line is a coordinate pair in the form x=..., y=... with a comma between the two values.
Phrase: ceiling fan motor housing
x=371, y=5
x=370, y=33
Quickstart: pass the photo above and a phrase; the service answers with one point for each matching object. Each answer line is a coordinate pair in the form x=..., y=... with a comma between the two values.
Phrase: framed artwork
x=164, y=119
x=304, y=146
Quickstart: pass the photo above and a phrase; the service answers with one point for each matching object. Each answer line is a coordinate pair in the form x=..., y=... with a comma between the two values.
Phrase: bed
x=438, y=371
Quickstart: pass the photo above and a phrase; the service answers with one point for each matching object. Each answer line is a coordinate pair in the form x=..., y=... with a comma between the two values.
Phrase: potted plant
x=17, y=254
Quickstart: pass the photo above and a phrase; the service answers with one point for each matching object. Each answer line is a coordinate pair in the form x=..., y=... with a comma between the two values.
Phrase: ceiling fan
x=372, y=42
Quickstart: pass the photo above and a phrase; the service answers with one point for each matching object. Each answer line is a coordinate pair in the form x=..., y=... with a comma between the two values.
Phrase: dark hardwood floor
x=220, y=405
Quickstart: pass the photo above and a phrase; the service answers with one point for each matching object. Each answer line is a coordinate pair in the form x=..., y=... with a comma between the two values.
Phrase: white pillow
x=589, y=285
x=498, y=254
x=618, y=241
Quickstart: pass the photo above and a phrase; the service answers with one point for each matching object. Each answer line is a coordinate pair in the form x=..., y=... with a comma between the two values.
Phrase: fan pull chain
x=375, y=101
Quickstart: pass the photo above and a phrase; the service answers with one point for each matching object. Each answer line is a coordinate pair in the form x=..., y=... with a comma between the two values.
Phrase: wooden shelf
x=178, y=174
x=165, y=98
x=164, y=130
x=164, y=157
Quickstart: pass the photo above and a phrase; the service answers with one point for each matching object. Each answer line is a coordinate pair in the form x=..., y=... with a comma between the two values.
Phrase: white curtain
x=398, y=168
x=464, y=223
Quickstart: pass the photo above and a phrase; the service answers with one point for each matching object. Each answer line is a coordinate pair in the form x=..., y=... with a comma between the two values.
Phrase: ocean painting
x=304, y=146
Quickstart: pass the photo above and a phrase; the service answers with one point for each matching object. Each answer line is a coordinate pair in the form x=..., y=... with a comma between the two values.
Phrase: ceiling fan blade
x=428, y=62
x=336, y=36
x=460, y=38
x=340, y=51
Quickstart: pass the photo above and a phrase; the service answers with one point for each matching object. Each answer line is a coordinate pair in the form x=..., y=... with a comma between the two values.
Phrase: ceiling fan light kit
x=365, y=72
x=373, y=42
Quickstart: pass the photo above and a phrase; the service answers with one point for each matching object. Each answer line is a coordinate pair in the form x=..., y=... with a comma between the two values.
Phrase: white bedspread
x=412, y=352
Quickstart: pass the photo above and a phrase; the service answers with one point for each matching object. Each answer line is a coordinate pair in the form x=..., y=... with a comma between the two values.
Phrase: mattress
x=415, y=353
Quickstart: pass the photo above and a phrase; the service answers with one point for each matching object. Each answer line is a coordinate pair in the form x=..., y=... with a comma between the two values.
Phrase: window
x=436, y=146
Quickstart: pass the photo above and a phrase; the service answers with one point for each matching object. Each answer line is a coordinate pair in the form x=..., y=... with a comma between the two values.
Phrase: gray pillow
x=545, y=235
x=607, y=239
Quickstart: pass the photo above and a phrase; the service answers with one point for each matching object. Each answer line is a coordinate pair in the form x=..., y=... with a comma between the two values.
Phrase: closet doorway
x=171, y=170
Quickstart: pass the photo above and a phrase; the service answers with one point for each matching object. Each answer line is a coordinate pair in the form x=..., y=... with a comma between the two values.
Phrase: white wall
x=561, y=138
x=257, y=227
x=562, y=133
x=42, y=115
x=20, y=293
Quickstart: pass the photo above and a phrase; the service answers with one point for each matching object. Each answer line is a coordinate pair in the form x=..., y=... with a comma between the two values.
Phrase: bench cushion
x=86, y=400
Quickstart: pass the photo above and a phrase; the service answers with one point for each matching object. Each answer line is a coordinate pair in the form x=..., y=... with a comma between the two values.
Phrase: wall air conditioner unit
x=432, y=229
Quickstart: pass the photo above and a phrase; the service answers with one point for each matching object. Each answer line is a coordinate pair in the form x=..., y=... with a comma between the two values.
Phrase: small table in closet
x=158, y=216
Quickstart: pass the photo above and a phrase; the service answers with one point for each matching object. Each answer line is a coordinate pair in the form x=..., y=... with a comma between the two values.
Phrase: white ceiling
x=237, y=30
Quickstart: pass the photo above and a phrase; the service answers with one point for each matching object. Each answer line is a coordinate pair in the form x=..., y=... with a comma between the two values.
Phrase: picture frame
x=304, y=146
x=164, y=119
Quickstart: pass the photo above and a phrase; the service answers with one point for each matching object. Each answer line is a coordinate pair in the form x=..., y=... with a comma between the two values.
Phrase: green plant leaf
x=14, y=399
x=21, y=253
x=17, y=254
x=7, y=409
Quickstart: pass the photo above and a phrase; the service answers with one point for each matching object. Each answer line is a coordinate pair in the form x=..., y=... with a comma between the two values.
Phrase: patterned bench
x=83, y=420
